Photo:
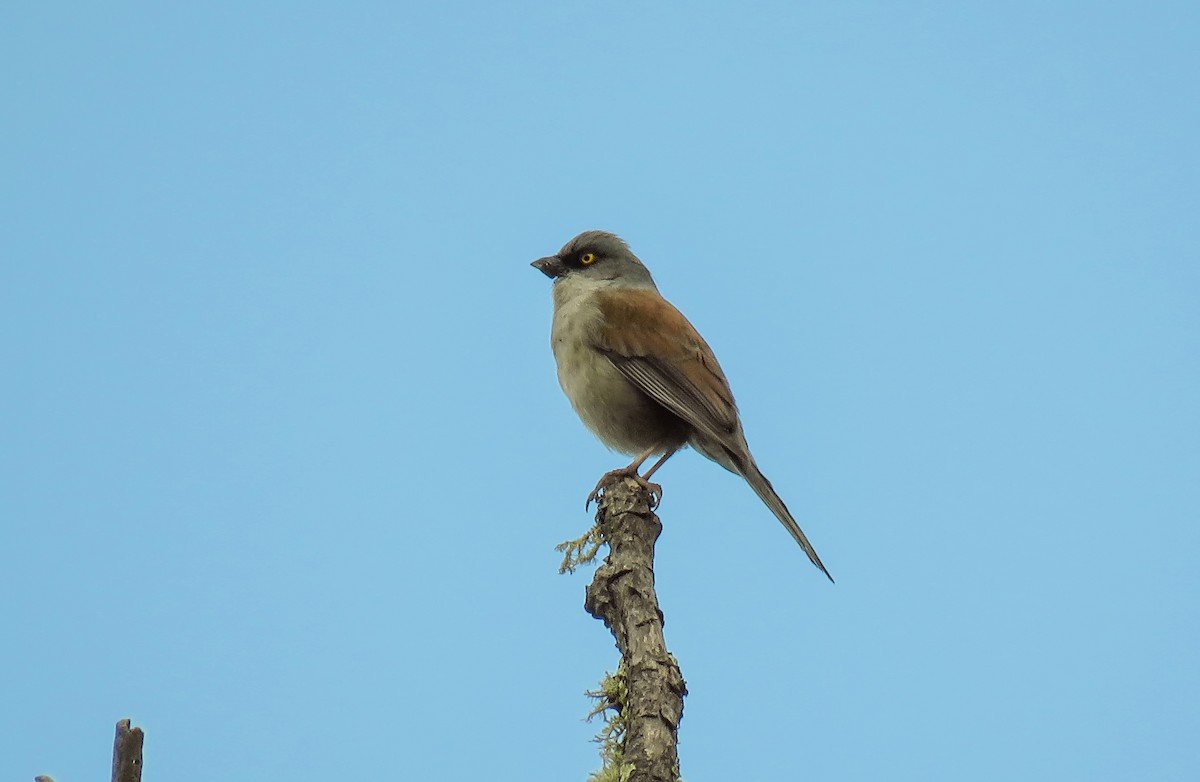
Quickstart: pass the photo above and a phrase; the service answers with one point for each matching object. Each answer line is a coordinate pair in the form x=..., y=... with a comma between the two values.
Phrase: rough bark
x=622, y=595
x=127, y=753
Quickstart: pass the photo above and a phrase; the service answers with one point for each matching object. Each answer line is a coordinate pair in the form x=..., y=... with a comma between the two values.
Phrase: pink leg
x=659, y=463
x=632, y=472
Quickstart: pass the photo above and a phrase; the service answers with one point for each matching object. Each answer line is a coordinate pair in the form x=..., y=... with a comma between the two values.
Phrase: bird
x=639, y=375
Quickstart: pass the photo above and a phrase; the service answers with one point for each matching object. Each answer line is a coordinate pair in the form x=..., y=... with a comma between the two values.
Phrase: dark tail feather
x=762, y=487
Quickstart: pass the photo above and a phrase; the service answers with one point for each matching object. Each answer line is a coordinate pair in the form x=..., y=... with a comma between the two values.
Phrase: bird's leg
x=658, y=464
x=654, y=488
x=632, y=472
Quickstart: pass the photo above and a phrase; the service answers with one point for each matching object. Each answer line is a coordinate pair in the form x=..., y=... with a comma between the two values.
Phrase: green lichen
x=611, y=703
x=581, y=550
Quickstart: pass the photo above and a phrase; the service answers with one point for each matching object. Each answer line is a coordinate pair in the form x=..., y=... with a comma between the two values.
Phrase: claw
x=654, y=489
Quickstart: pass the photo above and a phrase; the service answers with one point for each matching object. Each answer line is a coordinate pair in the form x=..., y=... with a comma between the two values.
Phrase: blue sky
x=284, y=458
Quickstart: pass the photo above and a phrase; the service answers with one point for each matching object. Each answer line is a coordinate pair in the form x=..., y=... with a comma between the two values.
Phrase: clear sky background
x=283, y=458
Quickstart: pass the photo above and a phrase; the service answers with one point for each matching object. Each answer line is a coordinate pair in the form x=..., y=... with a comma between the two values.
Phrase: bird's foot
x=654, y=489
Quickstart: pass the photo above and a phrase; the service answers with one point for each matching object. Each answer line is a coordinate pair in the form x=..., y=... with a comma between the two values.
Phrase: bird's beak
x=551, y=266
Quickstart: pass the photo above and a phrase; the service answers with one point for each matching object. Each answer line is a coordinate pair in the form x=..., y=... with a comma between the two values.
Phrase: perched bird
x=638, y=373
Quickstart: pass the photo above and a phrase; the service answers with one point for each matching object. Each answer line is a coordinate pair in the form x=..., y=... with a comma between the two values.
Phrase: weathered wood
x=127, y=753
x=622, y=596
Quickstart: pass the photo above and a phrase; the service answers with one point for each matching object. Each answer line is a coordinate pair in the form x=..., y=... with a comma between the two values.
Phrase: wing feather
x=653, y=345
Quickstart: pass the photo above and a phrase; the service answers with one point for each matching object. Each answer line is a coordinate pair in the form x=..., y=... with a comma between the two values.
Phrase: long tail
x=762, y=487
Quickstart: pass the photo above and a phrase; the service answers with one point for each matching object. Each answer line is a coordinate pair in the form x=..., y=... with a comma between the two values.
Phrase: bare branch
x=622, y=595
x=127, y=753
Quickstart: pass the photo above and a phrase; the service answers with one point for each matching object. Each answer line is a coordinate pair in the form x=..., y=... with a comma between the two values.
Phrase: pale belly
x=622, y=416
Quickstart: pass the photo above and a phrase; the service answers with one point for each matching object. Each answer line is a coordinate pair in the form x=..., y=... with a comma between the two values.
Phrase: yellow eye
x=587, y=258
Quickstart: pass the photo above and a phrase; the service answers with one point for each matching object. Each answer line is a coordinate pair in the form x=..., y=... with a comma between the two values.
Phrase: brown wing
x=660, y=352
x=653, y=345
